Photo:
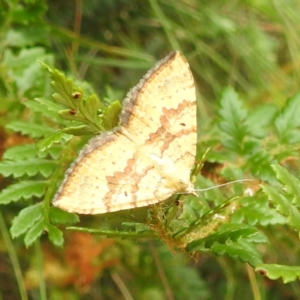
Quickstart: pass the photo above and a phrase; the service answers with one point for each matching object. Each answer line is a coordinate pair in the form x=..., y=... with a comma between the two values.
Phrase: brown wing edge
x=94, y=143
x=131, y=97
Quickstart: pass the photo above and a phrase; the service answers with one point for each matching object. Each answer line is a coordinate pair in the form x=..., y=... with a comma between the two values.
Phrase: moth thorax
x=186, y=187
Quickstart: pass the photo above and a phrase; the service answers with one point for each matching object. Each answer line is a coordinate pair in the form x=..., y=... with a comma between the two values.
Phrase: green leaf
x=58, y=216
x=288, y=120
x=284, y=206
x=80, y=108
x=279, y=200
x=88, y=115
x=50, y=139
x=245, y=252
x=92, y=106
x=22, y=190
x=68, y=114
x=274, y=271
x=26, y=36
x=260, y=119
x=291, y=184
x=206, y=243
x=32, y=130
x=26, y=219
x=27, y=151
x=24, y=68
x=233, y=240
x=37, y=107
x=54, y=151
x=260, y=165
x=63, y=86
x=256, y=210
x=78, y=130
x=233, y=117
x=20, y=152
x=257, y=237
x=111, y=115
x=49, y=104
x=34, y=233
x=30, y=167
x=188, y=214
x=55, y=236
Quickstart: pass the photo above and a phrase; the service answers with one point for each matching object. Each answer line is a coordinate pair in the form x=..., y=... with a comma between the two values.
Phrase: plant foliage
x=251, y=133
x=193, y=226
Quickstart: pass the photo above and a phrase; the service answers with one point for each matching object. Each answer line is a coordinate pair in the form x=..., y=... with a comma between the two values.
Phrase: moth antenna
x=223, y=184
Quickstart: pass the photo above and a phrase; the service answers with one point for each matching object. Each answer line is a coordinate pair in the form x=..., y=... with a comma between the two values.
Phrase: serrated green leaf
x=68, y=114
x=34, y=232
x=50, y=139
x=61, y=84
x=30, y=167
x=291, y=184
x=30, y=151
x=294, y=219
x=62, y=100
x=257, y=237
x=25, y=219
x=23, y=59
x=284, y=206
x=78, y=130
x=32, y=130
x=256, y=210
x=58, y=216
x=20, y=152
x=81, y=115
x=205, y=244
x=233, y=117
x=22, y=190
x=23, y=37
x=279, y=200
x=274, y=271
x=243, y=251
x=288, y=120
x=231, y=145
x=64, y=88
x=260, y=119
x=49, y=104
x=80, y=108
x=291, y=137
x=111, y=115
x=92, y=106
x=54, y=151
x=85, y=115
x=23, y=66
x=260, y=165
x=45, y=66
x=37, y=107
x=55, y=236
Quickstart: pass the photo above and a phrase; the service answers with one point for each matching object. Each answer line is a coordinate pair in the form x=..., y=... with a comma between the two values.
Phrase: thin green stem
x=121, y=285
x=147, y=234
x=13, y=257
x=253, y=281
x=39, y=256
x=161, y=272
